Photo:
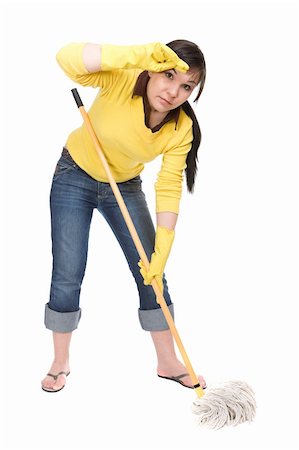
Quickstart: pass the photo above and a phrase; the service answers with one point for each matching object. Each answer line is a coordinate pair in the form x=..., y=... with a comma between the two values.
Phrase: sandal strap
x=57, y=375
x=178, y=377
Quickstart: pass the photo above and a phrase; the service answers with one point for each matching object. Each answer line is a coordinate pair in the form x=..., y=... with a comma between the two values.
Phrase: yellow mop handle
x=160, y=299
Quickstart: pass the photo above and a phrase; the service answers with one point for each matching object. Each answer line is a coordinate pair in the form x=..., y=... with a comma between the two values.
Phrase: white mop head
x=231, y=403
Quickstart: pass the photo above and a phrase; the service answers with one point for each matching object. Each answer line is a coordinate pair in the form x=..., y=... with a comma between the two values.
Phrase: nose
x=173, y=90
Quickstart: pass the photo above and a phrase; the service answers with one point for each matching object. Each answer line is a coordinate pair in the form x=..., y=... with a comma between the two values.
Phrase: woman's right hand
x=161, y=58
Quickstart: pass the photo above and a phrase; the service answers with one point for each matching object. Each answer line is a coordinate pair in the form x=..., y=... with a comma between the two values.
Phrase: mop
x=231, y=403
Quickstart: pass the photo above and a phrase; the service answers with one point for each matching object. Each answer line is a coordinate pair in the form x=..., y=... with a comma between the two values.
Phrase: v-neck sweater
x=118, y=119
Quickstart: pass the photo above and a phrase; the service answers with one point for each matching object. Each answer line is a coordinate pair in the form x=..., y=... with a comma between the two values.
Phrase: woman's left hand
x=149, y=275
x=163, y=244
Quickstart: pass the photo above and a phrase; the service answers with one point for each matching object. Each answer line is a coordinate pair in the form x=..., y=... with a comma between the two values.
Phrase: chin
x=162, y=110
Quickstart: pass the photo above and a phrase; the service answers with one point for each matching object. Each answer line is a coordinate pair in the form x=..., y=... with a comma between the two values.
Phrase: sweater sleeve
x=70, y=59
x=169, y=181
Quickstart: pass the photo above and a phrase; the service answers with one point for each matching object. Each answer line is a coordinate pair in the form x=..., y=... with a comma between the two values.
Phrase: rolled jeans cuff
x=61, y=322
x=154, y=319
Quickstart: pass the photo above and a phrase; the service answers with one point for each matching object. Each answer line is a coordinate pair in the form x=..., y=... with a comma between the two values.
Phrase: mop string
x=159, y=295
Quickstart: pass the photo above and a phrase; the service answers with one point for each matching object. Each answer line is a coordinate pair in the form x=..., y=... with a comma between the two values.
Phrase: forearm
x=98, y=57
x=167, y=219
x=155, y=56
x=92, y=57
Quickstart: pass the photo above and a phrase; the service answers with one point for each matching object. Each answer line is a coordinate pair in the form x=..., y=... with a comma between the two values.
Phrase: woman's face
x=170, y=89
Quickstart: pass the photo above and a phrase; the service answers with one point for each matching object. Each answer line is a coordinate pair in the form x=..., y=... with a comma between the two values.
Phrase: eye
x=187, y=87
x=168, y=75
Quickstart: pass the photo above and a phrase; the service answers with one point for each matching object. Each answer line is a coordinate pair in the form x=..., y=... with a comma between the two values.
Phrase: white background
x=233, y=271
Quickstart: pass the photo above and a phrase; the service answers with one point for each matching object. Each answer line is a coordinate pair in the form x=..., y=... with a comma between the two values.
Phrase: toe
x=202, y=381
x=60, y=382
x=52, y=384
x=48, y=382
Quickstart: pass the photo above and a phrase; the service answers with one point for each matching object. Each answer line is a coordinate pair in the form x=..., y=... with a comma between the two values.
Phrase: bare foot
x=57, y=383
x=177, y=368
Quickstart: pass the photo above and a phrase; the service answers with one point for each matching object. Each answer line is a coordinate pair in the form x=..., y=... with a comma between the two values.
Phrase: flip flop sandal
x=55, y=378
x=178, y=380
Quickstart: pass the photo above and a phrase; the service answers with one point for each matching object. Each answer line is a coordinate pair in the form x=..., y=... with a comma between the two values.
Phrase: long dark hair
x=193, y=56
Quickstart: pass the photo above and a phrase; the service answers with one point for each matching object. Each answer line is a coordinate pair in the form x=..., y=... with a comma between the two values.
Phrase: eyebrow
x=190, y=81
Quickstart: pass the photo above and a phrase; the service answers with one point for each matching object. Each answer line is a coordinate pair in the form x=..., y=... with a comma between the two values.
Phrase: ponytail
x=191, y=160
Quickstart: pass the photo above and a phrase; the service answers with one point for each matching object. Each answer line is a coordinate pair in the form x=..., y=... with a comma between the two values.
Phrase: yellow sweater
x=118, y=121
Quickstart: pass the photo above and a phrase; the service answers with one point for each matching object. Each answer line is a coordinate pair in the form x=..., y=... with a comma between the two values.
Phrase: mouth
x=164, y=101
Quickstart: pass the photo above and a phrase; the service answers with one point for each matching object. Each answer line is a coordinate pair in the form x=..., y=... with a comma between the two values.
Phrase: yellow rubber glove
x=155, y=57
x=163, y=244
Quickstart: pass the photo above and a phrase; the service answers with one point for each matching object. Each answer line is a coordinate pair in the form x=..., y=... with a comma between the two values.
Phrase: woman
x=140, y=112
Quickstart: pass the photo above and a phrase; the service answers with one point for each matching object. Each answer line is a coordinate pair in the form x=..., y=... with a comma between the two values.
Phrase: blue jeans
x=74, y=196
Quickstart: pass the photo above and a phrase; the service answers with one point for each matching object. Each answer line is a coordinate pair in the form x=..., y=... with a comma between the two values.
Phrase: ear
x=150, y=73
